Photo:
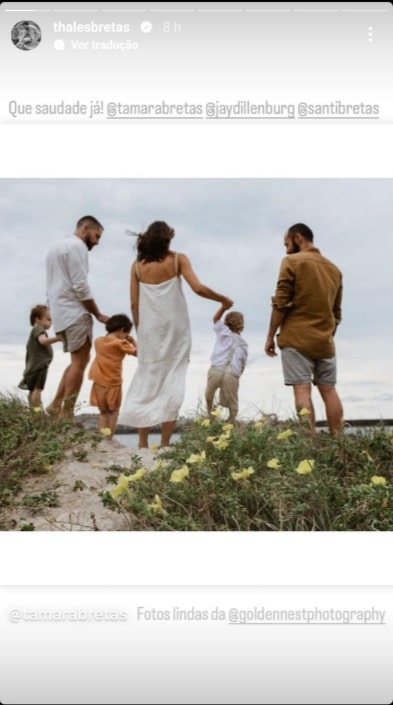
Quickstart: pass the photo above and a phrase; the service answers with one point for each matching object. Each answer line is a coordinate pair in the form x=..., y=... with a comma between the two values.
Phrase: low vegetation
x=262, y=476
x=259, y=476
x=31, y=443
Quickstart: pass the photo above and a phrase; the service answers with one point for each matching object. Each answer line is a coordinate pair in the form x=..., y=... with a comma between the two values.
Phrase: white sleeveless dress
x=157, y=389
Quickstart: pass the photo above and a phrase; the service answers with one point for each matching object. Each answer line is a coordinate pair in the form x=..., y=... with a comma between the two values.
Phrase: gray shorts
x=300, y=369
x=75, y=336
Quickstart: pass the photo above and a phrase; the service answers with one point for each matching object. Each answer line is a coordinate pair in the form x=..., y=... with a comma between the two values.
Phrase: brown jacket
x=309, y=289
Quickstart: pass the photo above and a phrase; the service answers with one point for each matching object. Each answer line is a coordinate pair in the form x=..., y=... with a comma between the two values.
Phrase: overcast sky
x=232, y=230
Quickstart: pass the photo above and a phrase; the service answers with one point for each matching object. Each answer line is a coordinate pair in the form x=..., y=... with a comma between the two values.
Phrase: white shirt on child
x=223, y=346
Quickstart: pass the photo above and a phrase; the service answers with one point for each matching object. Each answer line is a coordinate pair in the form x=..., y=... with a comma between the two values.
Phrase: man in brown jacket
x=307, y=311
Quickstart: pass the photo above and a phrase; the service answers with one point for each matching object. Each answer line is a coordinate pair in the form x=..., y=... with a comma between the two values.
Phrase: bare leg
x=74, y=378
x=232, y=413
x=143, y=437
x=35, y=398
x=70, y=383
x=209, y=405
x=112, y=422
x=334, y=410
x=103, y=420
x=167, y=429
x=302, y=393
x=54, y=407
x=211, y=387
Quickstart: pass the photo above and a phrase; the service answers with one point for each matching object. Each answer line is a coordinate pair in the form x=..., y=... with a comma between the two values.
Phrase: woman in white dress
x=162, y=323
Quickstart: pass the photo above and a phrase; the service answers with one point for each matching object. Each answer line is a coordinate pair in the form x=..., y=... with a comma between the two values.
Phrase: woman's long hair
x=153, y=245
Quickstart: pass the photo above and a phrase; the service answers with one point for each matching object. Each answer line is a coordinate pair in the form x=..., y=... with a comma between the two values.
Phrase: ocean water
x=130, y=440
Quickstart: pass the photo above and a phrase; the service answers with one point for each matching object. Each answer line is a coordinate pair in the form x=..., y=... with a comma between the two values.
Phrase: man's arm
x=337, y=307
x=276, y=319
x=91, y=306
x=281, y=302
x=77, y=267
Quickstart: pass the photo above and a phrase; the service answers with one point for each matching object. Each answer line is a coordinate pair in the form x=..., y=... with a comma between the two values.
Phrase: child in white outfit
x=227, y=362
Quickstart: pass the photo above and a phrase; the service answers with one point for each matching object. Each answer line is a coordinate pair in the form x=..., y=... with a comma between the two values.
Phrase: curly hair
x=235, y=321
x=37, y=312
x=118, y=322
x=153, y=245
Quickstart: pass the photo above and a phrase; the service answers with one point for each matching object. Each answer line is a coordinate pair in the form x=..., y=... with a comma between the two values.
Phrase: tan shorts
x=224, y=379
x=75, y=336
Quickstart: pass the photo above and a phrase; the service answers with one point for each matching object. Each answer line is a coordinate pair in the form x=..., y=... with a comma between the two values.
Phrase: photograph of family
x=196, y=355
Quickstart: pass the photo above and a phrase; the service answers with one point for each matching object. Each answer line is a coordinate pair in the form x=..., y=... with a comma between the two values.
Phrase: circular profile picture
x=26, y=35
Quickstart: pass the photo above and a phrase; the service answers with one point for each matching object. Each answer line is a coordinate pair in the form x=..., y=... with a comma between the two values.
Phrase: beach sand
x=76, y=481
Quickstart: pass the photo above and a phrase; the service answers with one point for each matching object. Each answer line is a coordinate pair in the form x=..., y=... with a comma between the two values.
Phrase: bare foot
x=53, y=410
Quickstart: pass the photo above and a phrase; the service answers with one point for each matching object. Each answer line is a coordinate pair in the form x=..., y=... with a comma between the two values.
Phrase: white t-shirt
x=66, y=281
x=226, y=340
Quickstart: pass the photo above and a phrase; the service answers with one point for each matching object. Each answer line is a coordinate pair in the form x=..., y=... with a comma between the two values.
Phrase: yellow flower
x=260, y=424
x=227, y=427
x=156, y=506
x=179, y=475
x=137, y=475
x=243, y=475
x=122, y=486
x=221, y=443
x=47, y=467
x=305, y=467
x=197, y=458
x=285, y=434
x=211, y=439
x=154, y=447
x=378, y=480
x=106, y=431
x=205, y=423
x=304, y=412
x=37, y=409
x=198, y=420
x=216, y=413
x=368, y=456
x=273, y=463
x=158, y=465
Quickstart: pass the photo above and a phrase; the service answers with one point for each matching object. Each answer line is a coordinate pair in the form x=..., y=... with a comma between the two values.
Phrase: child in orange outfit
x=106, y=369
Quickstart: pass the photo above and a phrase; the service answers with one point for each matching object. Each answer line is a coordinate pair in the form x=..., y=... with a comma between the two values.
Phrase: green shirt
x=37, y=356
x=309, y=290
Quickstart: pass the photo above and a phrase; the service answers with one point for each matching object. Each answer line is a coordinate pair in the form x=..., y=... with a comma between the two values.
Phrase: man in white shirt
x=72, y=307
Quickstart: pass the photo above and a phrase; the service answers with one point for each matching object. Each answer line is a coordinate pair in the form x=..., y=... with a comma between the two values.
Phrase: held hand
x=227, y=303
x=102, y=318
x=270, y=347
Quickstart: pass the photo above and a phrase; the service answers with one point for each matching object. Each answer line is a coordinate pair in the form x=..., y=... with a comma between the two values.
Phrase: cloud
x=232, y=230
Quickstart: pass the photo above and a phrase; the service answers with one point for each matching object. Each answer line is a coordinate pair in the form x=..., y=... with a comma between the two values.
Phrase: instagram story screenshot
x=196, y=387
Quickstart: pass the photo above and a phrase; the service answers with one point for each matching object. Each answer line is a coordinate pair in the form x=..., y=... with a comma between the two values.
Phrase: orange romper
x=106, y=371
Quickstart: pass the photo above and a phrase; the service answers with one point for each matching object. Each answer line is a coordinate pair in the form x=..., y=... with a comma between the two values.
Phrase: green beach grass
x=261, y=476
x=258, y=476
